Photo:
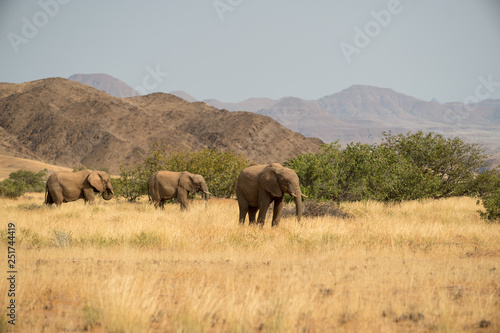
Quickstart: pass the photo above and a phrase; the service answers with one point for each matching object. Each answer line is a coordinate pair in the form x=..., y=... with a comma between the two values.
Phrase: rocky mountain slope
x=67, y=123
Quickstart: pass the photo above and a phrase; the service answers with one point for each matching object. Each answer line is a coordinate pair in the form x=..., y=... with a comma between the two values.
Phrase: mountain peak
x=107, y=83
x=184, y=95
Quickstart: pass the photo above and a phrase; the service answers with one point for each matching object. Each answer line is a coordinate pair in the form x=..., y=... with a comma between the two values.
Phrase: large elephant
x=65, y=186
x=164, y=185
x=259, y=185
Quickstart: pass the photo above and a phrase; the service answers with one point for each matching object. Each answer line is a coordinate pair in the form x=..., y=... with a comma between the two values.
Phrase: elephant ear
x=186, y=182
x=95, y=180
x=268, y=180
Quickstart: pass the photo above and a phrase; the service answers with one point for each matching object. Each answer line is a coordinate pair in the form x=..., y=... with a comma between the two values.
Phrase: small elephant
x=164, y=185
x=65, y=186
x=259, y=185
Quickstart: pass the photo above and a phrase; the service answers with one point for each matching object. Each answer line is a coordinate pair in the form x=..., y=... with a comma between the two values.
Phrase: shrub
x=488, y=185
x=33, y=181
x=319, y=173
x=450, y=164
x=22, y=181
x=491, y=203
x=220, y=170
x=132, y=183
x=11, y=189
x=402, y=167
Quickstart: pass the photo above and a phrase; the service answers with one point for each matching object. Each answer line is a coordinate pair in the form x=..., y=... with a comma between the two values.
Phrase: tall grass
x=122, y=267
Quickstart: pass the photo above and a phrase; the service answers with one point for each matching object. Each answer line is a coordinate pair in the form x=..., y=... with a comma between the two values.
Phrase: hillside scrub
x=22, y=181
x=220, y=170
x=402, y=167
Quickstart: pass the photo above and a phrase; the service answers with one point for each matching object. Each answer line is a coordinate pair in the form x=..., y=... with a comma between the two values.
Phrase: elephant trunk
x=108, y=194
x=298, y=206
x=204, y=189
x=297, y=194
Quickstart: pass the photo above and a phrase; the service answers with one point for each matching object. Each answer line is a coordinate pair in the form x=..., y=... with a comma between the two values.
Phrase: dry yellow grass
x=431, y=266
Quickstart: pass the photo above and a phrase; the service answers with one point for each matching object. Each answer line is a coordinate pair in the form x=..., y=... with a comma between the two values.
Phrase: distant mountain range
x=361, y=113
x=106, y=83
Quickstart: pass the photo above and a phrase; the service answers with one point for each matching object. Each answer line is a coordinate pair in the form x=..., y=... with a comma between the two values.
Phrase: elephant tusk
x=305, y=196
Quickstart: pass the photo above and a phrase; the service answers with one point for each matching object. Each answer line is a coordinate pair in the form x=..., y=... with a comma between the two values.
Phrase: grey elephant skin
x=259, y=185
x=164, y=185
x=65, y=186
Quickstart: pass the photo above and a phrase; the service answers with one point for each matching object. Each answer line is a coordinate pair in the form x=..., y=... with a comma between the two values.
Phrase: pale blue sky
x=235, y=49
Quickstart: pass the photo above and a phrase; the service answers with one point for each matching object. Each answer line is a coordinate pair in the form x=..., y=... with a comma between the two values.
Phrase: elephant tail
x=149, y=192
x=47, y=194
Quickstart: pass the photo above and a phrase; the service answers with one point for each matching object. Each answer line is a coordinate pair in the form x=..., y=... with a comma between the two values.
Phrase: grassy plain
x=430, y=266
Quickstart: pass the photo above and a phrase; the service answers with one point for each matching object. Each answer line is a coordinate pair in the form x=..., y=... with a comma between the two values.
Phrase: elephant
x=164, y=185
x=65, y=186
x=259, y=185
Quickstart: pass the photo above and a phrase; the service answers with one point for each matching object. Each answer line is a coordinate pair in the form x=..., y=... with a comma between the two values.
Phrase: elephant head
x=278, y=180
x=194, y=183
x=100, y=181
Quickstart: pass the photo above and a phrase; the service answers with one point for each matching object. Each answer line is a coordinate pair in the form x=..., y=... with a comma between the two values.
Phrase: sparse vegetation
x=403, y=167
x=489, y=191
x=220, y=170
x=22, y=181
x=428, y=265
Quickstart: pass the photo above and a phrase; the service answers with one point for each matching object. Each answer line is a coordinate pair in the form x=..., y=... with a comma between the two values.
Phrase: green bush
x=488, y=185
x=220, y=170
x=34, y=181
x=491, y=203
x=451, y=163
x=402, y=167
x=11, y=189
x=132, y=183
x=22, y=181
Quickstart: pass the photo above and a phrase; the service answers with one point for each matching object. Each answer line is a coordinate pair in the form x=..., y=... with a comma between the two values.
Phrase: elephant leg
x=88, y=195
x=182, y=198
x=161, y=204
x=252, y=212
x=48, y=198
x=264, y=203
x=278, y=207
x=56, y=197
x=243, y=213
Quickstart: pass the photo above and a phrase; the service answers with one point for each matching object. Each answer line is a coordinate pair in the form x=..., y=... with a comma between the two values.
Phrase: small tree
x=22, y=181
x=132, y=183
x=33, y=181
x=488, y=184
x=402, y=167
x=319, y=173
x=451, y=161
x=11, y=189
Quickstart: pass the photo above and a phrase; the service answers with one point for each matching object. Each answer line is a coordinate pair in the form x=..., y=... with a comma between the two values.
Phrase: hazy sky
x=235, y=49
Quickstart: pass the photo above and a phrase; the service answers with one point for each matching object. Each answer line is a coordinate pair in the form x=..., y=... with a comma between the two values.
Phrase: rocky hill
x=106, y=83
x=67, y=123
